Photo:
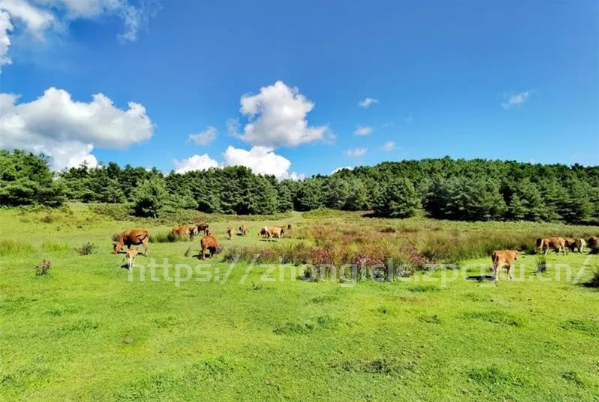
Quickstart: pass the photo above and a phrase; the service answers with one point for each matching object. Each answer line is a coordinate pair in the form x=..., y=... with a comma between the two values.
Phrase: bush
x=86, y=249
x=43, y=268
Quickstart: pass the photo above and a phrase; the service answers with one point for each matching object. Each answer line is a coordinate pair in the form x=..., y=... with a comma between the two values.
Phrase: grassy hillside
x=62, y=334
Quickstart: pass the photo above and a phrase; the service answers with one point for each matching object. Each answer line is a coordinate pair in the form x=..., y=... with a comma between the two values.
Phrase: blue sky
x=499, y=80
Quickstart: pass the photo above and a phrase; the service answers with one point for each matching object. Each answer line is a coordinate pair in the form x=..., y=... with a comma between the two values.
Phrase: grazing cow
x=132, y=237
x=580, y=244
x=210, y=244
x=193, y=230
x=243, y=229
x=593, y=242
x=504, y=258
x=556, y=243
x=203, y=227
x=230, y=233
x=263, y=232
x=570, y=244
x=185, y=230
x=130, y=257
x=274, y=232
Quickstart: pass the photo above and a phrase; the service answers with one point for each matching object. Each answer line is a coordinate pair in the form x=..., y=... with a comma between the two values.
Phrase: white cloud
x=277, y=117
x=5, y=27
x=40, y=16
x=389, y=146
x=363, y=130
x=367, y=102
x=68, y=130
x=516, y=99
x=195, y=162
x=205, y=137
x=261, y=160
x=356, y=152
x=341, y=168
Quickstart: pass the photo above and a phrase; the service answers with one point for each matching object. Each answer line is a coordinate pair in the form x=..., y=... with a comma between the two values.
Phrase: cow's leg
x=509, y=272
x=145, y=244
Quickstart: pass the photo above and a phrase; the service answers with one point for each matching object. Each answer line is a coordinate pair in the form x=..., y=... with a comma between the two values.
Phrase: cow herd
x=506, y=258
x=208, y=243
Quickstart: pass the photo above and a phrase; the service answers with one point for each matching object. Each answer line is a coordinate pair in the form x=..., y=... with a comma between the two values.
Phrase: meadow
x=85, y=331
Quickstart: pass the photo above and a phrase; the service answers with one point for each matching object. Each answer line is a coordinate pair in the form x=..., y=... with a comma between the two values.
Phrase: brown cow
x=210, y=244
x=130, y=257
x=504, y=258
x=203, y=227
x=570, y=244
x=132, y=237
x=274, y=232
x=263, y=232
x=180, y=231
x=593, y=242
x=556, y=243
x=243, y=229
x=230, y=233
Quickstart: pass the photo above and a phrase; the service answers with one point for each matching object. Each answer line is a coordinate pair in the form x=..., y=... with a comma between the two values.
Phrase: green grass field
x=62, y=334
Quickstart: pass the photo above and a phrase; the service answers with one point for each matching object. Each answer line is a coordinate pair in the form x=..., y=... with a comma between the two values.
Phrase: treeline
x=443, y=188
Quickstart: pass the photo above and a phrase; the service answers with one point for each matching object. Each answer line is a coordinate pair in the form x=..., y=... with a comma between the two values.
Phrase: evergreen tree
x=150, y=197
x=399, y=199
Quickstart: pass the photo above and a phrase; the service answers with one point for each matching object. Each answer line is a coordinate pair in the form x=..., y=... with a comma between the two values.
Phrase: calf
x=130, y=257
x=230, y=233
x=504, y=258
x=243, y=229
x=593, y=242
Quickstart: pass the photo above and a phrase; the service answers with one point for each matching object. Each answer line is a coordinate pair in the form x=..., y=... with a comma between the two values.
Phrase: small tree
x=150, y=197
x=399, y=199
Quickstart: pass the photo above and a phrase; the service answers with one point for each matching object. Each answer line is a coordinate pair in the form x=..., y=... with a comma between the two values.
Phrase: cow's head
x=117, y=248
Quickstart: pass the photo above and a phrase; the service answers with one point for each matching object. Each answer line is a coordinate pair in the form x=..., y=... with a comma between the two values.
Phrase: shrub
x=168, y=237
x=86, y=249
x=541, y=263
x=43, y=268
x=48, y=219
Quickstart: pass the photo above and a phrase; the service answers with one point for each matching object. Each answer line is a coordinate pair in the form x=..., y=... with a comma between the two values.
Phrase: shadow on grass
x=481, y=278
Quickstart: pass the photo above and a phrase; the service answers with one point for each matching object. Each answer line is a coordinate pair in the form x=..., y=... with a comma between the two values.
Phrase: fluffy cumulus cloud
x=261, y=160
x=516, y=100
x=389, y=146
x=195, y=162
x=68, y=130
x=37, y=17
x=363, y=130
x=277, y=117
x=356, y=152
x=367, y=102
x=205, y=137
